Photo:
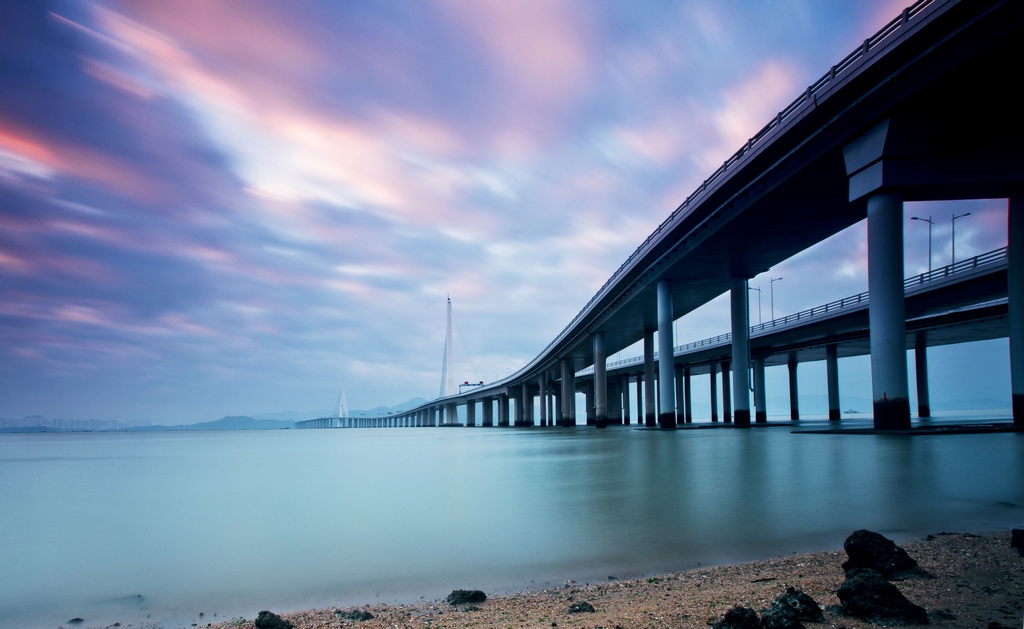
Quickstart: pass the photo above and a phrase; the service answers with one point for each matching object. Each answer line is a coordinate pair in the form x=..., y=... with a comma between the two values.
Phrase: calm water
x=229, y=523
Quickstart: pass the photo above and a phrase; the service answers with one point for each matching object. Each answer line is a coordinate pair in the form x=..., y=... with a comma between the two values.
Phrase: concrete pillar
x=542, y=383
x=666, y=362
x=625, y=399
x=571, y=402
x=639, y=399
x=726, y=393
x=687, y=396
x=887, y=313
x=794, y=393
x=503, y=409
x=564, y=417
x=924, y=409
x=556, y=394
x=470, y=412
x=713, y=368
x=615, y=401
x=832, y=376
x=760, y=398
x=740, y=351
x=1015, y=294
x=600, y=382
x=488, y=411
x=651, y=414
x=588, y=395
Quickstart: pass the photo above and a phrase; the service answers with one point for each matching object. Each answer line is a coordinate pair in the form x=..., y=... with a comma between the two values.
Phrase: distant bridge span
x=920, y=111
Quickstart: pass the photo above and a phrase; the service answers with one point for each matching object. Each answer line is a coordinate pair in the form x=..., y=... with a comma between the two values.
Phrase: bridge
x=920, y=111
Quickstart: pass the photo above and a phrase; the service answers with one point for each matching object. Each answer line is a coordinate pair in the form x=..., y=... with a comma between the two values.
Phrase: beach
x=976, y=580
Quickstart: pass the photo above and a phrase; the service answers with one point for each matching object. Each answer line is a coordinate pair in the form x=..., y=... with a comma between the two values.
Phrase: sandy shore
x=978, y=580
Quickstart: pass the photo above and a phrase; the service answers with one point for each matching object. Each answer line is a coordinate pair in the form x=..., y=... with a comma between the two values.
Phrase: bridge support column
x=1015, y=295
x=760, y=405
x=924, y=409
x=740, y=351
x=503, y=409
x=487, y=405
x=600, y=382
x=713, y=371
x=726, y=392
x=687, y=413
x=666, y=358
x=523, y=406
x=887, y=312
x=568, y=395
x=615, y=401
x=625, y=399
x=470, y=413
x=651, y=414
x=542, y=383
x=639, y=398
x=794, y=393
x=832, y=377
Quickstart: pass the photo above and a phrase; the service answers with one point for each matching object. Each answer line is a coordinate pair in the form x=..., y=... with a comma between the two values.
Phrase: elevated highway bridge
x=921, y=111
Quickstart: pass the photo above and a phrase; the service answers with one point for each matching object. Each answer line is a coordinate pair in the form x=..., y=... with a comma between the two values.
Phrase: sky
x=229, y=207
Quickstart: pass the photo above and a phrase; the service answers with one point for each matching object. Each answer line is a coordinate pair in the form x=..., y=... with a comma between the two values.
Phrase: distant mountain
x=227, y=423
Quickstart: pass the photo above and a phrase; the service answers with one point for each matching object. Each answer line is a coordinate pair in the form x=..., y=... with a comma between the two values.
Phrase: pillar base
x=794, y=415
x=741, y=417
x=834, y=414
x=651, y=421
x=1018, y=409
x=892, y=414
x=761, y=417
x=601, y=422
x=667, y=421
x=924, y=410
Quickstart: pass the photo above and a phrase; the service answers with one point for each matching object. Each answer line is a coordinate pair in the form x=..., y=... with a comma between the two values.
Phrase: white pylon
x=447, y=371
x=342, y=402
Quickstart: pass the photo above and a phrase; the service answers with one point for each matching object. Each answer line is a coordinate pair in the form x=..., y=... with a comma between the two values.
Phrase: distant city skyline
x=208, y=211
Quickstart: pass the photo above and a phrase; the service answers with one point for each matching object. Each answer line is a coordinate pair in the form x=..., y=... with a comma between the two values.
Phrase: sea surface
x=174, y=528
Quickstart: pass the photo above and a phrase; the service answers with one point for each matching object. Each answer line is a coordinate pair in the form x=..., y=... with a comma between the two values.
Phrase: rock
x=778, y=619
x=868, y=549
x=270, y=620
x=739, y=618
x=357, y=615
x=581, y=607
x=459, y=597
x=1017, y=540
x=866, y=594
x=75, y=621
x=790, y=609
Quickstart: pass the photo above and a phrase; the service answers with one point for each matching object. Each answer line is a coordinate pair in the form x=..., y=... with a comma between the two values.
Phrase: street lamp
x=771, y=293
x=952, y=221
x=758, y=302
x=930, y=224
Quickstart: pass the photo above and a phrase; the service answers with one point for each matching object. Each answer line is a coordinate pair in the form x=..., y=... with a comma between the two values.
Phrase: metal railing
x=996, y=256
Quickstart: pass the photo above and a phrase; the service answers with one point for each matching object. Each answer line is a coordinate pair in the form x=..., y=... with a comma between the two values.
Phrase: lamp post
x=758, y=302
x=952, y=221
x=771, y=293
x=930, y=223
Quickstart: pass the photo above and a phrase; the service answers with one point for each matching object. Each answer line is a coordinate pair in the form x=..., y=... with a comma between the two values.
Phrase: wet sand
x=978, y=580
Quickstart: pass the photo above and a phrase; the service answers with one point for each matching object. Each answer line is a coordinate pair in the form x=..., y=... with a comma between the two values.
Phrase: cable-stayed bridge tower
x=447, y=366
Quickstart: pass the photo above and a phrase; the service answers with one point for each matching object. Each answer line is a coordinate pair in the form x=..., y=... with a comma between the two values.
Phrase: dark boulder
x=739, y=618
x=581, y=608
x=866, y=594
x=270, y=620
x=868, y=549
x=790, y=609
x=461, y=597
x=1017, y=540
